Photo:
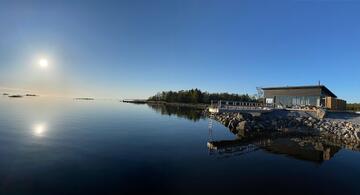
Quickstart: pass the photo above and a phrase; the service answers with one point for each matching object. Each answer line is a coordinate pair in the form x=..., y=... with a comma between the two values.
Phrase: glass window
x=289, y=101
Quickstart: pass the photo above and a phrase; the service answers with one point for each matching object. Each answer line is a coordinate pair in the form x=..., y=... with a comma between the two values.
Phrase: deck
x=236, y=106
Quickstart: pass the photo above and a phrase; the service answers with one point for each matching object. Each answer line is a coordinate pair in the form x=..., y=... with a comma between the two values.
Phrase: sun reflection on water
x=39, y=129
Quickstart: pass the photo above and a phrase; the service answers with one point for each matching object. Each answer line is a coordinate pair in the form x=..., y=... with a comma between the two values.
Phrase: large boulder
x=242, y=125
x=357, y=135
x=256, y=114
x=247, y=116
x=233, y=123
x=320, y=113
x=239, y=117
x=226, y=121
x=242, y=128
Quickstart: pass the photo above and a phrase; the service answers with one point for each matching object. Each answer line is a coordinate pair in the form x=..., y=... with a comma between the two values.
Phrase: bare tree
x=260, y=92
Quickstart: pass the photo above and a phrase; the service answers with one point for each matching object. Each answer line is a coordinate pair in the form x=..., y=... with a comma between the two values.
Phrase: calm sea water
x=61, y=146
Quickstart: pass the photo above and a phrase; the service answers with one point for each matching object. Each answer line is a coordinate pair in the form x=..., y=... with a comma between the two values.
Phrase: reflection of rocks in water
x=249, y=124
x=189, y=113
x=303, y=147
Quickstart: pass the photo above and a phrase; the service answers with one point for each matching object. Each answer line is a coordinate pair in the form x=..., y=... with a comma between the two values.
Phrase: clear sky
x=132, y=49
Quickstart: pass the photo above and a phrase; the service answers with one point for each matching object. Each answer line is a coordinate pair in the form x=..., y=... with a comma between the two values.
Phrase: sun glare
x=43, y=63
x=39, y=129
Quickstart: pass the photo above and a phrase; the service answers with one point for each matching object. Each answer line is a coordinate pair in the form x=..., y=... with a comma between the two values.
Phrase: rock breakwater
x=245, y=124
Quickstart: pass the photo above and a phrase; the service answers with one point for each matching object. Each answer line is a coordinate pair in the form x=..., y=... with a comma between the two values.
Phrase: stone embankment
x=244, y=124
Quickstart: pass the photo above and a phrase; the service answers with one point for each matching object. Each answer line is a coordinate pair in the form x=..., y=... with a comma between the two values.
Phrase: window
x=289, y=101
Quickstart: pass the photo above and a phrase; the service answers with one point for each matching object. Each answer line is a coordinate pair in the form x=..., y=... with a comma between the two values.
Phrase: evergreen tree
x=197, y=96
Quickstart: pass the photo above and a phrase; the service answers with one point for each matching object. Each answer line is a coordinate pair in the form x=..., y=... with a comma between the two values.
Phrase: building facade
x=317, y=95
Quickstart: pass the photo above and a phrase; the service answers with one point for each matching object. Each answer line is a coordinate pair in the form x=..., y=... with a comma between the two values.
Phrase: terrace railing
x=237, y=105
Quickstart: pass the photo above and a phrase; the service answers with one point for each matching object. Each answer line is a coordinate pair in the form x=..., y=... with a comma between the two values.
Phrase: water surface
x=62, y=146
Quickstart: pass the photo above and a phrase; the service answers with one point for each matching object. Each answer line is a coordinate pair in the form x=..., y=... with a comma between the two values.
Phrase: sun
x=43, y=63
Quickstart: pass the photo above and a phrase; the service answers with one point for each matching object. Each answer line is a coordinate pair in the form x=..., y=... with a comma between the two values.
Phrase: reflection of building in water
x=304, y=148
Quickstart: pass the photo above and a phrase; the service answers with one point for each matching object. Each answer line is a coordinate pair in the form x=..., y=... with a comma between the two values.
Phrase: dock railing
x=222, y=105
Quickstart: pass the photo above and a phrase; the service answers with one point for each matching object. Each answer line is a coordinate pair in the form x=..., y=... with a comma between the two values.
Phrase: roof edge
x=323, y=87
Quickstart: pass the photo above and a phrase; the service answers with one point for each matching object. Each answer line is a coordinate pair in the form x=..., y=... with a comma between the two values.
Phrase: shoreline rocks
x=245, y=124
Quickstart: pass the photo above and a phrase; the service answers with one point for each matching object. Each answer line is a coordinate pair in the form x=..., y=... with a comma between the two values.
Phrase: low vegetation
x=353, y=107
x=196, y=96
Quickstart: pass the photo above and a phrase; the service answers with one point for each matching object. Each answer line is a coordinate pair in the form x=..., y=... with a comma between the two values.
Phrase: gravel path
x=344, y=116
x=336, y=116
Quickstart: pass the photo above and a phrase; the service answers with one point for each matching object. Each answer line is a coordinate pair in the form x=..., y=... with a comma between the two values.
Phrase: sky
x=133, y=49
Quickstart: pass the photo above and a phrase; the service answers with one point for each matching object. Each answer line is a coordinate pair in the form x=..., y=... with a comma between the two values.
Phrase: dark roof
x=322, y=87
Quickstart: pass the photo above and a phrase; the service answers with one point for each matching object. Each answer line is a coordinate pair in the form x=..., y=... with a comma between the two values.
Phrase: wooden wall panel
x=292, y=92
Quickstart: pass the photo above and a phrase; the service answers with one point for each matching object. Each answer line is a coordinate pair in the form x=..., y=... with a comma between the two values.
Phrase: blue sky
x=132, y=49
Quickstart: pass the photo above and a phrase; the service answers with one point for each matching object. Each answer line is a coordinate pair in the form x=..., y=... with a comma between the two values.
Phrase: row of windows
x=298, y=100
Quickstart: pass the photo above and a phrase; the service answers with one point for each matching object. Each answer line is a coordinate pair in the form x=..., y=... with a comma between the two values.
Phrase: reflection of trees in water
x=189, y=113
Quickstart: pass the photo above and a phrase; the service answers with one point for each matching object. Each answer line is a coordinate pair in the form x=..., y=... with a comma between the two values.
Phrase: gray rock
x=261, y=126
x=242, y=125
x=274, y=123
x=226, y=122
x=247, y=116
x=357, y=135
x=320, y=113
x=239, y=117
x=299, y=119
x=233, y=123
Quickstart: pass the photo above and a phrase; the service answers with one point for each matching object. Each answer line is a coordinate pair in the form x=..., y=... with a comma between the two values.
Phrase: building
x=317, y=95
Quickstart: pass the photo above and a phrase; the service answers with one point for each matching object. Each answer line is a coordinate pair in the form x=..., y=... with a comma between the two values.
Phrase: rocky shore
x=247, y=124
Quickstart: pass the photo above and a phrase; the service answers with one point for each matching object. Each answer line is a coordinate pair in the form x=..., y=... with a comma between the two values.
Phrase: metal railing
x=237, y=105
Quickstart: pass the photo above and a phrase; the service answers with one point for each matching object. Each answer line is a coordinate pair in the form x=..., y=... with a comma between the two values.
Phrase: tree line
x=196, y=96
x=353, y=107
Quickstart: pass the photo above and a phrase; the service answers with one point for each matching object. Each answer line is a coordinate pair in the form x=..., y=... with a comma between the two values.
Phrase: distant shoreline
x=15, y=96
x=84, y=98
x=19, y=96
x=197, y=106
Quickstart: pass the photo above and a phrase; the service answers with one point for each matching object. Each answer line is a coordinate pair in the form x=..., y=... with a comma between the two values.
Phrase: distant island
x=84, y=98
x=31, y=95
x=15, y=96
x=19, y=96
x=196, y=96
x=193, y=98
